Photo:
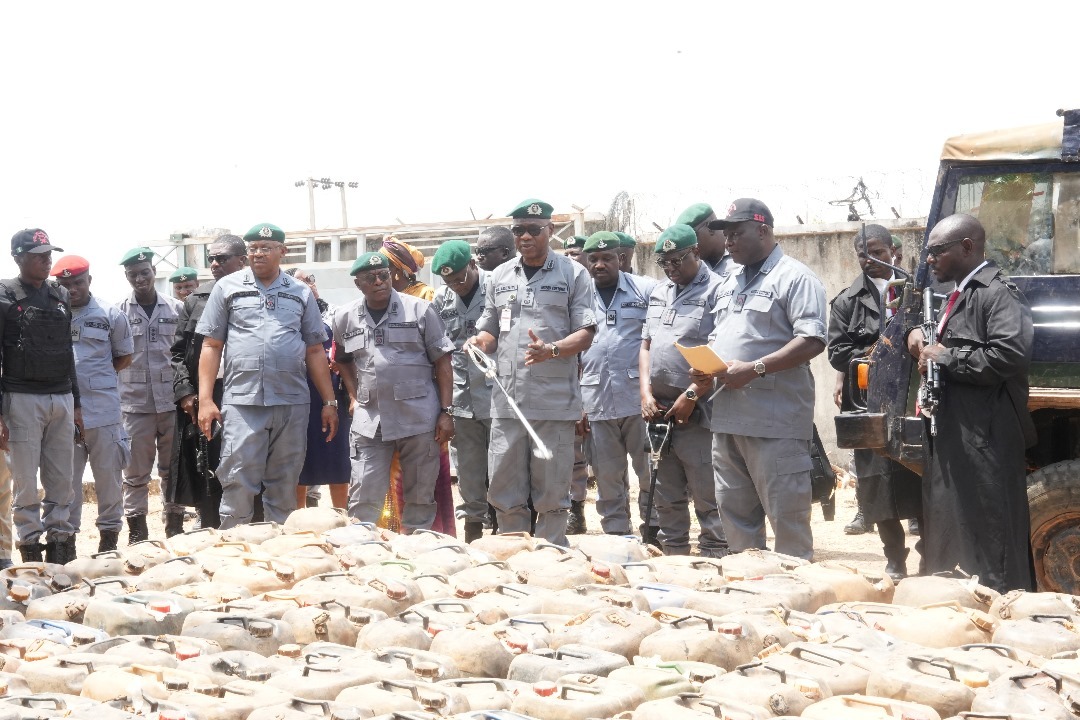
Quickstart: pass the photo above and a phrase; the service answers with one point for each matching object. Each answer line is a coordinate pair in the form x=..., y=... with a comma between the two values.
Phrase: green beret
x=532, y=209
x=183, y=274
x=677, y=237
x=265, y=231
x=602, y=240
x=137, y=255
x=451, y=257
x=625, y=240
x=577, y=241
x=369, y=261
x=897, y=242
x=694, y=215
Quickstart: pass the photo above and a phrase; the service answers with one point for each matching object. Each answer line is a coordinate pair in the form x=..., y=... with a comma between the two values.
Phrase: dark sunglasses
x=674, y=262
x=532, y=229
x=369, y=277
x=940, y=248
x=220, y=259
x=484, y=252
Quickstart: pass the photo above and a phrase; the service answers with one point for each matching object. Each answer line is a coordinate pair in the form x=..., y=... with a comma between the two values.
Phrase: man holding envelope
x=771, y=319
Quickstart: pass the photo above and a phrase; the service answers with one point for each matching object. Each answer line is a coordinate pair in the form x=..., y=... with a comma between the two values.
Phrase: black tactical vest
x=37, y=341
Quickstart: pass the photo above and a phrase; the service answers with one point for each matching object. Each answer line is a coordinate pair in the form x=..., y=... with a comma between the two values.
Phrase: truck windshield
x=1032, y=220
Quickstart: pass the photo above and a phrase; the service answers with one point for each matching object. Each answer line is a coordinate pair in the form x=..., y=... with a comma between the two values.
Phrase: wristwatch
x=449, y=410
x=691, y=394
x=554, y=350
x=329, y=403
x=759, y=368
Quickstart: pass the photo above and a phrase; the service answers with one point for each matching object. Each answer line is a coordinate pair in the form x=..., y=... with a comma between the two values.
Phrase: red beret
x=70, y=266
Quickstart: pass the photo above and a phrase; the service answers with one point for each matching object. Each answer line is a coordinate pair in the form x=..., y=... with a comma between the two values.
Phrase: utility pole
x=326, y=183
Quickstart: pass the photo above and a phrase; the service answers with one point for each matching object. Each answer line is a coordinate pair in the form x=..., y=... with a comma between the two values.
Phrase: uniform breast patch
x=658, y=302
x=699, y=303
x=554, y=288
x=410, y=324
x=633, y=304
x=352, y=333
x=505, y=288
x=99, y=324
x=290, y=296
x=448, y=313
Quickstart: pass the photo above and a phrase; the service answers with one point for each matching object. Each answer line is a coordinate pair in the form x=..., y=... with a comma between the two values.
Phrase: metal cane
x=488, y=368
x=659, y=434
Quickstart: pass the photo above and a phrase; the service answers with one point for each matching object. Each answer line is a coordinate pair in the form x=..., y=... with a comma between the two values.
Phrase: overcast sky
x=126, y=121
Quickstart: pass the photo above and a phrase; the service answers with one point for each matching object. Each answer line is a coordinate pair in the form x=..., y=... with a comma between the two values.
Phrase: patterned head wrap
x=402, y=255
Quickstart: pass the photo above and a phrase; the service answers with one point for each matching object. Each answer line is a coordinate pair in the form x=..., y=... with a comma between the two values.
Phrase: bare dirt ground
x=830, y=542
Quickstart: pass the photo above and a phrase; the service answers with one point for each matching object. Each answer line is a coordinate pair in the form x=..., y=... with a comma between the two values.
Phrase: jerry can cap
x=544, y=688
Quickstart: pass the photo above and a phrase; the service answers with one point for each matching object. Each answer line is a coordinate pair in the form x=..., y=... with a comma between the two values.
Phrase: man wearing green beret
x=494, y=246
x=626, y=258
x=184, y=281
x=267, y=326
x=681, y=311
x=390, y=344
x=710, y=242
x=460, y=303
x=572, y=248
x=897, y=251
x=610, y=391
x=537, y=317
x=771, y=320
x=146, y=394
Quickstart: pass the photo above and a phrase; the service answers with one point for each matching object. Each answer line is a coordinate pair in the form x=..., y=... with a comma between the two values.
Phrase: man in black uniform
x=974, y=486
x=888, y=492
x=40, y=399
x=226, y=255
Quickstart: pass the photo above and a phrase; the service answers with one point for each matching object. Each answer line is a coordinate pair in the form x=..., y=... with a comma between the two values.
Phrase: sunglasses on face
x=484, y=252
x=940, y=248
x=220, y=259
x=531, y=229
x=674, y=262
x=369, y=278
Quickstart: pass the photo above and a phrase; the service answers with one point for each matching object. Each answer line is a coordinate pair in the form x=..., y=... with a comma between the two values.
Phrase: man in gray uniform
x=268, y=328
x=538, y=317
x=771, y=319
x=103, y=347
x=41, y=406
x=494, y=246
x=146, y=392
x=710, y=242
x=460, y=302
x=610, y=391
x=681, y=311
x=389, y=345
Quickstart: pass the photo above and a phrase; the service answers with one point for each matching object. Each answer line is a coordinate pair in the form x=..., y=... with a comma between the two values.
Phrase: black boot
x=174, y=524
x=55, y=552
x=108, y=540
x=70, y=551
x=575, y=525
x=31, y=552
x=913, y=527
x=474, y=530
x=137, y=530
x=652, y=536
x=858, y=525
x=896, y=567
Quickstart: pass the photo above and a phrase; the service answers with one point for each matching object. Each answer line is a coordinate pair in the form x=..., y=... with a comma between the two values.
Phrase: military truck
x=1024, y=186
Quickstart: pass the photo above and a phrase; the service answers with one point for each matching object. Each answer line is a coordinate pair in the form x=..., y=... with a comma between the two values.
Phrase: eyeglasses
x=532, y=229
x=219, y=259
x=940, y=248
x=370, y=276
x=674, y=262
x=262, y=250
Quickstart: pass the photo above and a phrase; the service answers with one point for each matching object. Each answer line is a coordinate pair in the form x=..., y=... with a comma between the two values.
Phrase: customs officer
x=710, y=242
x=184, y=281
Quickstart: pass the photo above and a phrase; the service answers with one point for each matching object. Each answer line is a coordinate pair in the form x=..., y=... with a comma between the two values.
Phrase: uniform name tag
x=352, y=333
x=633, y=304
x=554, y=288
x=611, y=317
x=136, y=321
x=504, y=320
x=697, y=303
x=290, y=296
x=658, y=302
x=100, y=325
x=448, y=313
x=169, y=321
x=505, y=288
x=380, y=337
x=761, y=293
x=409, y=324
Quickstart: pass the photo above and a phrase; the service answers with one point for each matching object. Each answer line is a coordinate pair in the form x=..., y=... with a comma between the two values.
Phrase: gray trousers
x=371, y=457
x=579, y=479
x=110, y=452
x=610, y=442
x=262, y=450
x=42, y=435
x=5, y=506
x=151, y=434
x=764, y=477
x=518, y=475
x=686, y=473
x=470, y=450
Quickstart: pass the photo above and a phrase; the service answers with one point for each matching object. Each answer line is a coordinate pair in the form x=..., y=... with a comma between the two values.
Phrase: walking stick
x=659, y=434
x=483, y=362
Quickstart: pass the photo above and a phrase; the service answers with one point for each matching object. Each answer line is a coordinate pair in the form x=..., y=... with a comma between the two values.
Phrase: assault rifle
x=930, y=390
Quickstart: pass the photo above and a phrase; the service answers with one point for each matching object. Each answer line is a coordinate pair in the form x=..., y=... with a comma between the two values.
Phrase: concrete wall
x=828, y=250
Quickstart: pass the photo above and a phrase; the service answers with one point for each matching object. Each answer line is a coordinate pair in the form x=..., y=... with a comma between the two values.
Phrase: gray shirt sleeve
x=214, y=322
x=582, y=314
x=806, y=308
x=435, y=338
x=488, y=321
x=312, y=329
x=120, y=335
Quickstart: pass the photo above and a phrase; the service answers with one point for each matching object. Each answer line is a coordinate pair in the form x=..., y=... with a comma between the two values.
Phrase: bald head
x=955, y=247
x=960, y=226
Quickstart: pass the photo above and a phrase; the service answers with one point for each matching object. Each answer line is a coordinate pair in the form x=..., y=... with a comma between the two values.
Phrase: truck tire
x=1054, y=503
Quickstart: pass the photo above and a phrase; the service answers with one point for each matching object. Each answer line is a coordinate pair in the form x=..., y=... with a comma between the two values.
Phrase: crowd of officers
x=582, y=354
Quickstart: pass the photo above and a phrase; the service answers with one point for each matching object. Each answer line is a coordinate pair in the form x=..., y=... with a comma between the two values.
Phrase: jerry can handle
x=459, y=549
x=693, y=616
x=497, y=683
x=87, y=664
x=233, y=544
x=574, y=687
x=309, y=668
x=301, y=704
x=398, y=563
x=917, y=661
x=561, y=653
x=1018, y=677
x=154, y=642
x=976, y=715
x=440, y=604
x=380, y=543
x=943, y=604
x=37, y=701
x=497, y=564
x=434, y=576
x=507, y=590
x=395, y=655
x=160, y=544
x=323, y=577
x=1059, y=619
x=424, y=619
x=107, y=555
x=327, y=603
x=798, y=651
x=761, y=665
x=186, y=559
x=549, y=546
x=392, y=685
x=93, y=584
x=702, y=564
x=523, y=621
x=228, y=667
x=257, y=561
x=1003, y=650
